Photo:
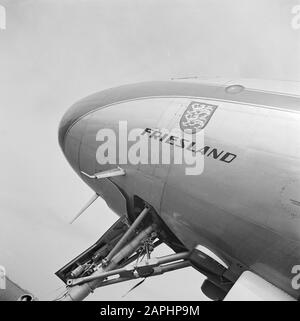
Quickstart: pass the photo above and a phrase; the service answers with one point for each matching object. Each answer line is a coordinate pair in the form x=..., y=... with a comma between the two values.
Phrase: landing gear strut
x=129, y=247
x=107, y=261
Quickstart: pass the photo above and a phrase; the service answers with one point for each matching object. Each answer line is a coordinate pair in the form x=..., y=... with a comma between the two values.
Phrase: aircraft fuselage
x=245, y=204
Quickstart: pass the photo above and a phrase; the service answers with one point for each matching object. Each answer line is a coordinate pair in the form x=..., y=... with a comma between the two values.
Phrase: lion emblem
x=196, y=116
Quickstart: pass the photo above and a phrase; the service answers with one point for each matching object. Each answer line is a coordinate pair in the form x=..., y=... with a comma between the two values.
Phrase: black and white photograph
x=150, y=152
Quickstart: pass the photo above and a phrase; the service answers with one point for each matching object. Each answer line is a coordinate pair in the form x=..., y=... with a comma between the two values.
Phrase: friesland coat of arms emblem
x=196, y=116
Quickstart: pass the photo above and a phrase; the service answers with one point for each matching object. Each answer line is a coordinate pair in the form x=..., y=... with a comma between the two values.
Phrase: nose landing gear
x=107, y=261
x=110, y=259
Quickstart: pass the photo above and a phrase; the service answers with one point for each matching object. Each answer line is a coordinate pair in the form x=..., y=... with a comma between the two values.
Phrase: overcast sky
x=54, y=52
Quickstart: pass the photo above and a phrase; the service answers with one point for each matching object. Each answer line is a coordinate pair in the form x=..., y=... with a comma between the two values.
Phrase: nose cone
x=78, y=111
x=70, y=132
x=62, y=131
x=70, y=118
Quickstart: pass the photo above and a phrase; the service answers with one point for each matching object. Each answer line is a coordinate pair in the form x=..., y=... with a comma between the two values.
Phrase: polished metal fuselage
x=246, y=211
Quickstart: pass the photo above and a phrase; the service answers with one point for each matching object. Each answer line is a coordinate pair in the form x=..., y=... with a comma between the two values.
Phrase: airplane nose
x=70, y=132
x=62, y=130
x=68, y=120
x=81, y=108
x=77, y=139
x=73, y=125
